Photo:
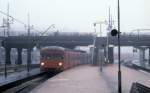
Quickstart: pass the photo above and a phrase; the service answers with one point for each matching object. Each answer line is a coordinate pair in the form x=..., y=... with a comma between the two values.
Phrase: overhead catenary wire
x=17, y=20
x=21, y=22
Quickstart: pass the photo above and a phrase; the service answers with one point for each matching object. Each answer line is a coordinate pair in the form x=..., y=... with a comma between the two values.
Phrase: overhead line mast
x=8, y=24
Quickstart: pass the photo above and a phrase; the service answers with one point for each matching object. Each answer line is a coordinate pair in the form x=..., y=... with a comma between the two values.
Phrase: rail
x=17, y=82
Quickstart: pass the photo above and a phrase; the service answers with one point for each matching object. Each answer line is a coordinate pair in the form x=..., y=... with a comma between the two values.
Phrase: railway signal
x=114, y=32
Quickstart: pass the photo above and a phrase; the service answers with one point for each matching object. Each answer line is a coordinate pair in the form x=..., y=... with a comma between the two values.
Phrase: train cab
x=52, y=60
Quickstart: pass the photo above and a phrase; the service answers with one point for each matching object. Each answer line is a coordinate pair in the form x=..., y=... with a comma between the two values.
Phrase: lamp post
x=94, y=44
x=114, y=32
x=119, y=63
x=100, y=23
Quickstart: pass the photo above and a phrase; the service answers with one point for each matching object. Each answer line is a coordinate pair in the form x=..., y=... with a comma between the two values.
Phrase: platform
x=89, y=79
x=82, y=79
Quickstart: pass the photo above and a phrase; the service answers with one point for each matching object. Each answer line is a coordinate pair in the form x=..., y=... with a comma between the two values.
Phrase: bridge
x=140, y=42
x=125, y=40
x=29, y=42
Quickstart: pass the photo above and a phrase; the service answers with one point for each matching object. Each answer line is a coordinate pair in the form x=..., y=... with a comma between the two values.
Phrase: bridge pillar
x=91, y=54
x=29, y=58
x=142, y=56
x=19, y=56
x=111, y=55
x=101, y=57
x=105, y=54
x=95, y=56
x=7, y=57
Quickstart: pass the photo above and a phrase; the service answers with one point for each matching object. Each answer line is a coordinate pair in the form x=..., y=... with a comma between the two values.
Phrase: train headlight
x=42, y=64
x=60, y=64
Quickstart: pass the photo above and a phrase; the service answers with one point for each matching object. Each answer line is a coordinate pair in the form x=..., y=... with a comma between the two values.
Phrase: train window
x=58, y=56
x=52, y=56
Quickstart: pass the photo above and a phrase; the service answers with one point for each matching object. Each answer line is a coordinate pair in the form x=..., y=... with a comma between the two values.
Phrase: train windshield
x=52, y=56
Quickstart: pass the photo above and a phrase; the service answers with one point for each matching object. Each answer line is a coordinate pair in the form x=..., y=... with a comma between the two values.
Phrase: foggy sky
x=78, y=15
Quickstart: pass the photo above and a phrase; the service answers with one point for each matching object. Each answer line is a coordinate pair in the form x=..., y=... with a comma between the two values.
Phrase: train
x=54, y=58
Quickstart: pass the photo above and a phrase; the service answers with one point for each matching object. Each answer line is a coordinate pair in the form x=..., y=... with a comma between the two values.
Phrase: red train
x=55, y=58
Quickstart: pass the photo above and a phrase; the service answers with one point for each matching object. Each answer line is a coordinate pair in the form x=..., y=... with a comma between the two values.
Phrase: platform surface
x=82, y=79
x=89, y=79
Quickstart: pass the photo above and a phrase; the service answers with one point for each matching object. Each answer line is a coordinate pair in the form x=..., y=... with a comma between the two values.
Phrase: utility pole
x=109, y=29
x=8, y=24
x=93, y=51
x=4, y=25
x=28, y=50
x=8, y=27
x=28, y=24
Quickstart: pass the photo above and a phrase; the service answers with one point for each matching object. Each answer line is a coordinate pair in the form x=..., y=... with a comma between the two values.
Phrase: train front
x=52, y=60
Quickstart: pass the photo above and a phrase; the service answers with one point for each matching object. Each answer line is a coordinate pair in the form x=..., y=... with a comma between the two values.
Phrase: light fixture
x=60, y=64
x=42, y=64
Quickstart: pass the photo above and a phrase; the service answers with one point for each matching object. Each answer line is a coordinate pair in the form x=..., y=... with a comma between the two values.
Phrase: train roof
x=53, y=48
x=61, y=49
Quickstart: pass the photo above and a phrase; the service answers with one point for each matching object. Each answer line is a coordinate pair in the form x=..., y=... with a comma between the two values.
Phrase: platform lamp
x=94, y=24
x=115, y=32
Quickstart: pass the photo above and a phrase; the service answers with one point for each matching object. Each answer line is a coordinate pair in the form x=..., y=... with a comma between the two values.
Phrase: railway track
x=27, y=86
